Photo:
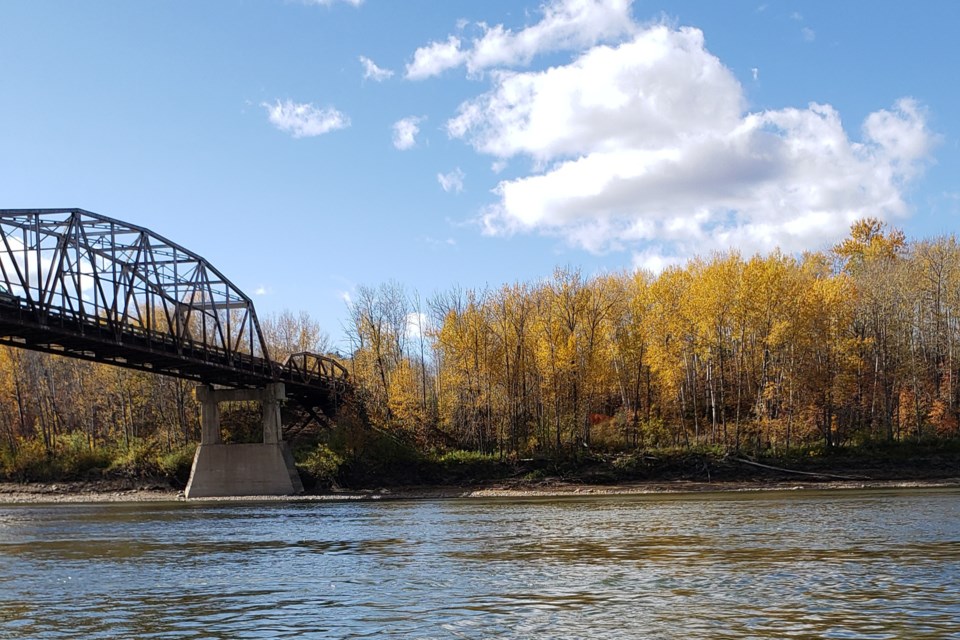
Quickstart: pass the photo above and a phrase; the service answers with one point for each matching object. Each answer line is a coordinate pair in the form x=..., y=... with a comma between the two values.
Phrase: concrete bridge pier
x=219, y=469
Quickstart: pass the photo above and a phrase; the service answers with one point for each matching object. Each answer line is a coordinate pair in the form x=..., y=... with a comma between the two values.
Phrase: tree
x=287, y=333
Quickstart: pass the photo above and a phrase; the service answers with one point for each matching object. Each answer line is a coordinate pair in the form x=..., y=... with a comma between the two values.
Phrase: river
x=836, y=564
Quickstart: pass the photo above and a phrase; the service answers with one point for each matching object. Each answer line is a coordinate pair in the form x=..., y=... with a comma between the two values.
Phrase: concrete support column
x=270, y=400
x=242, y=469
x=209, y=415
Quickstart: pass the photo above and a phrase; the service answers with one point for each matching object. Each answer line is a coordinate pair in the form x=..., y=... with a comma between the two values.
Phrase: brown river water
x=805, y=564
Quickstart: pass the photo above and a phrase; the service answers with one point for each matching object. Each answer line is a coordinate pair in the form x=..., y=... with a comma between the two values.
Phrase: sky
x=309, y=147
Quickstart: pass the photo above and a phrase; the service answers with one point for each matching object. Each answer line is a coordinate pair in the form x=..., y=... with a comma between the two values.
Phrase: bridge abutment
x=259, y=469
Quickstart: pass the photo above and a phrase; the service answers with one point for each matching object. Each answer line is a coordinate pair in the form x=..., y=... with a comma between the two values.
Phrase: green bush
x=323, y=464
x=535, y=475
x=627, y=463
x=29, y=462
x=135, y=458
x=466, y=467
x=177, y=463
x=76, y=456
x=655, y=434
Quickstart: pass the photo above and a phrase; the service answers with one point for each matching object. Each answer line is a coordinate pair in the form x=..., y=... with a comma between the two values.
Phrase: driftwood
x=802, y=473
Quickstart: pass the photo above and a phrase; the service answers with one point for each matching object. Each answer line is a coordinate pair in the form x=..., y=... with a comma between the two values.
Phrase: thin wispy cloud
x=405, y=132
x=304, y=120
x=452, y=182
x=564, y=25
x=372, y=72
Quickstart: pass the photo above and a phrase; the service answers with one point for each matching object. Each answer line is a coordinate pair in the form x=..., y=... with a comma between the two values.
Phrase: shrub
x=29, y=462
x=323, y=464
x=135, y=458
x=177, y=463
x=76, y=456
x=535, y=475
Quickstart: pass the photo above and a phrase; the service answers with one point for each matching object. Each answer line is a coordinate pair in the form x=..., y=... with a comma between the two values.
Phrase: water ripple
x=851, y=565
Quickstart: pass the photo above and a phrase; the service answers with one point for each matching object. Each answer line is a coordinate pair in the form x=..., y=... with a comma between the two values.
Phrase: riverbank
x=468, y=476
x=119, y=492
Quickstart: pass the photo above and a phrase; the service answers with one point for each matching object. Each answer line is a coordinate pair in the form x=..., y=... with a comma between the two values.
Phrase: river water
x=842, y=564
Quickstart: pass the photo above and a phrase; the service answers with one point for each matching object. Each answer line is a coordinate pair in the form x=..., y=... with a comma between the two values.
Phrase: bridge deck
x=75, y=336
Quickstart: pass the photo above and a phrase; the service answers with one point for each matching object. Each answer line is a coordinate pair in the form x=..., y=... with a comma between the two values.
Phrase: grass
x=74, y=457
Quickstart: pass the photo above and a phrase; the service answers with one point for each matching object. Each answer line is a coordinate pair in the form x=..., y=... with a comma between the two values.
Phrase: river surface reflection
x=843, y=564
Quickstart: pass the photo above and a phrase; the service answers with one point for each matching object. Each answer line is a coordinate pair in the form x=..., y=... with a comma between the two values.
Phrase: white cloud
x=304, y=120
x=565, y=25
x=755, y=72
x=435, y=58
x=654, y=262
x=451, y=182
x=650, y=91
x=262, y=290
x=646, y=146
x=809, y=35
x=418, y=324
x=405, y=132
x=372, y=72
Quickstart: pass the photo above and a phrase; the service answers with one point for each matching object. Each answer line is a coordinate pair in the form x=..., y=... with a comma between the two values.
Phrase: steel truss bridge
x=79, y=284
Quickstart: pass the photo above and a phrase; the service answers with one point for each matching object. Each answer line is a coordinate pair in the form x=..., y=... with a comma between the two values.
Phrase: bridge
x=82, y=285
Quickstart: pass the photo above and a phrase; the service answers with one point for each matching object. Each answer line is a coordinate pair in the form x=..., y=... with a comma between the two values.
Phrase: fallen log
x=802, y=473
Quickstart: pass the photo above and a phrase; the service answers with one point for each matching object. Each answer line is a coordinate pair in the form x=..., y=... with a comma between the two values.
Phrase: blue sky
x=306, y=148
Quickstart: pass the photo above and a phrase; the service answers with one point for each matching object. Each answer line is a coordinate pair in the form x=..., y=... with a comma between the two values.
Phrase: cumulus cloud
x=647, y=146
x=648, y=92
x=372, y=72
x=565, y=25
x=451, y=182
x=435, y=58
x=405, y=132
x=304, y=120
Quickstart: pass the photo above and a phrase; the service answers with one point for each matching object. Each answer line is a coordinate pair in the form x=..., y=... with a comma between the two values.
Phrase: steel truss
x=87, y=286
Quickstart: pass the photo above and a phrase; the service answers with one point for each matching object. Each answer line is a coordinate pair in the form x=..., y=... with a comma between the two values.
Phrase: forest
x=774, y=353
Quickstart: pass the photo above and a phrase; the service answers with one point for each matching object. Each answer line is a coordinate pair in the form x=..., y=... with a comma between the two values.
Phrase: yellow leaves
x=869, y=240
x=775, y=344
x=780, y=333
x=405, y=397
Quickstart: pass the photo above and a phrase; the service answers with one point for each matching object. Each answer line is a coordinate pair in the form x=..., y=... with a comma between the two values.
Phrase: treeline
x=770, y=353
x=766, y=353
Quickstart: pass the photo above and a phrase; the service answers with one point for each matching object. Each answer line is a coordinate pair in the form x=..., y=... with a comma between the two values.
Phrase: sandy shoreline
x=81, y=492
